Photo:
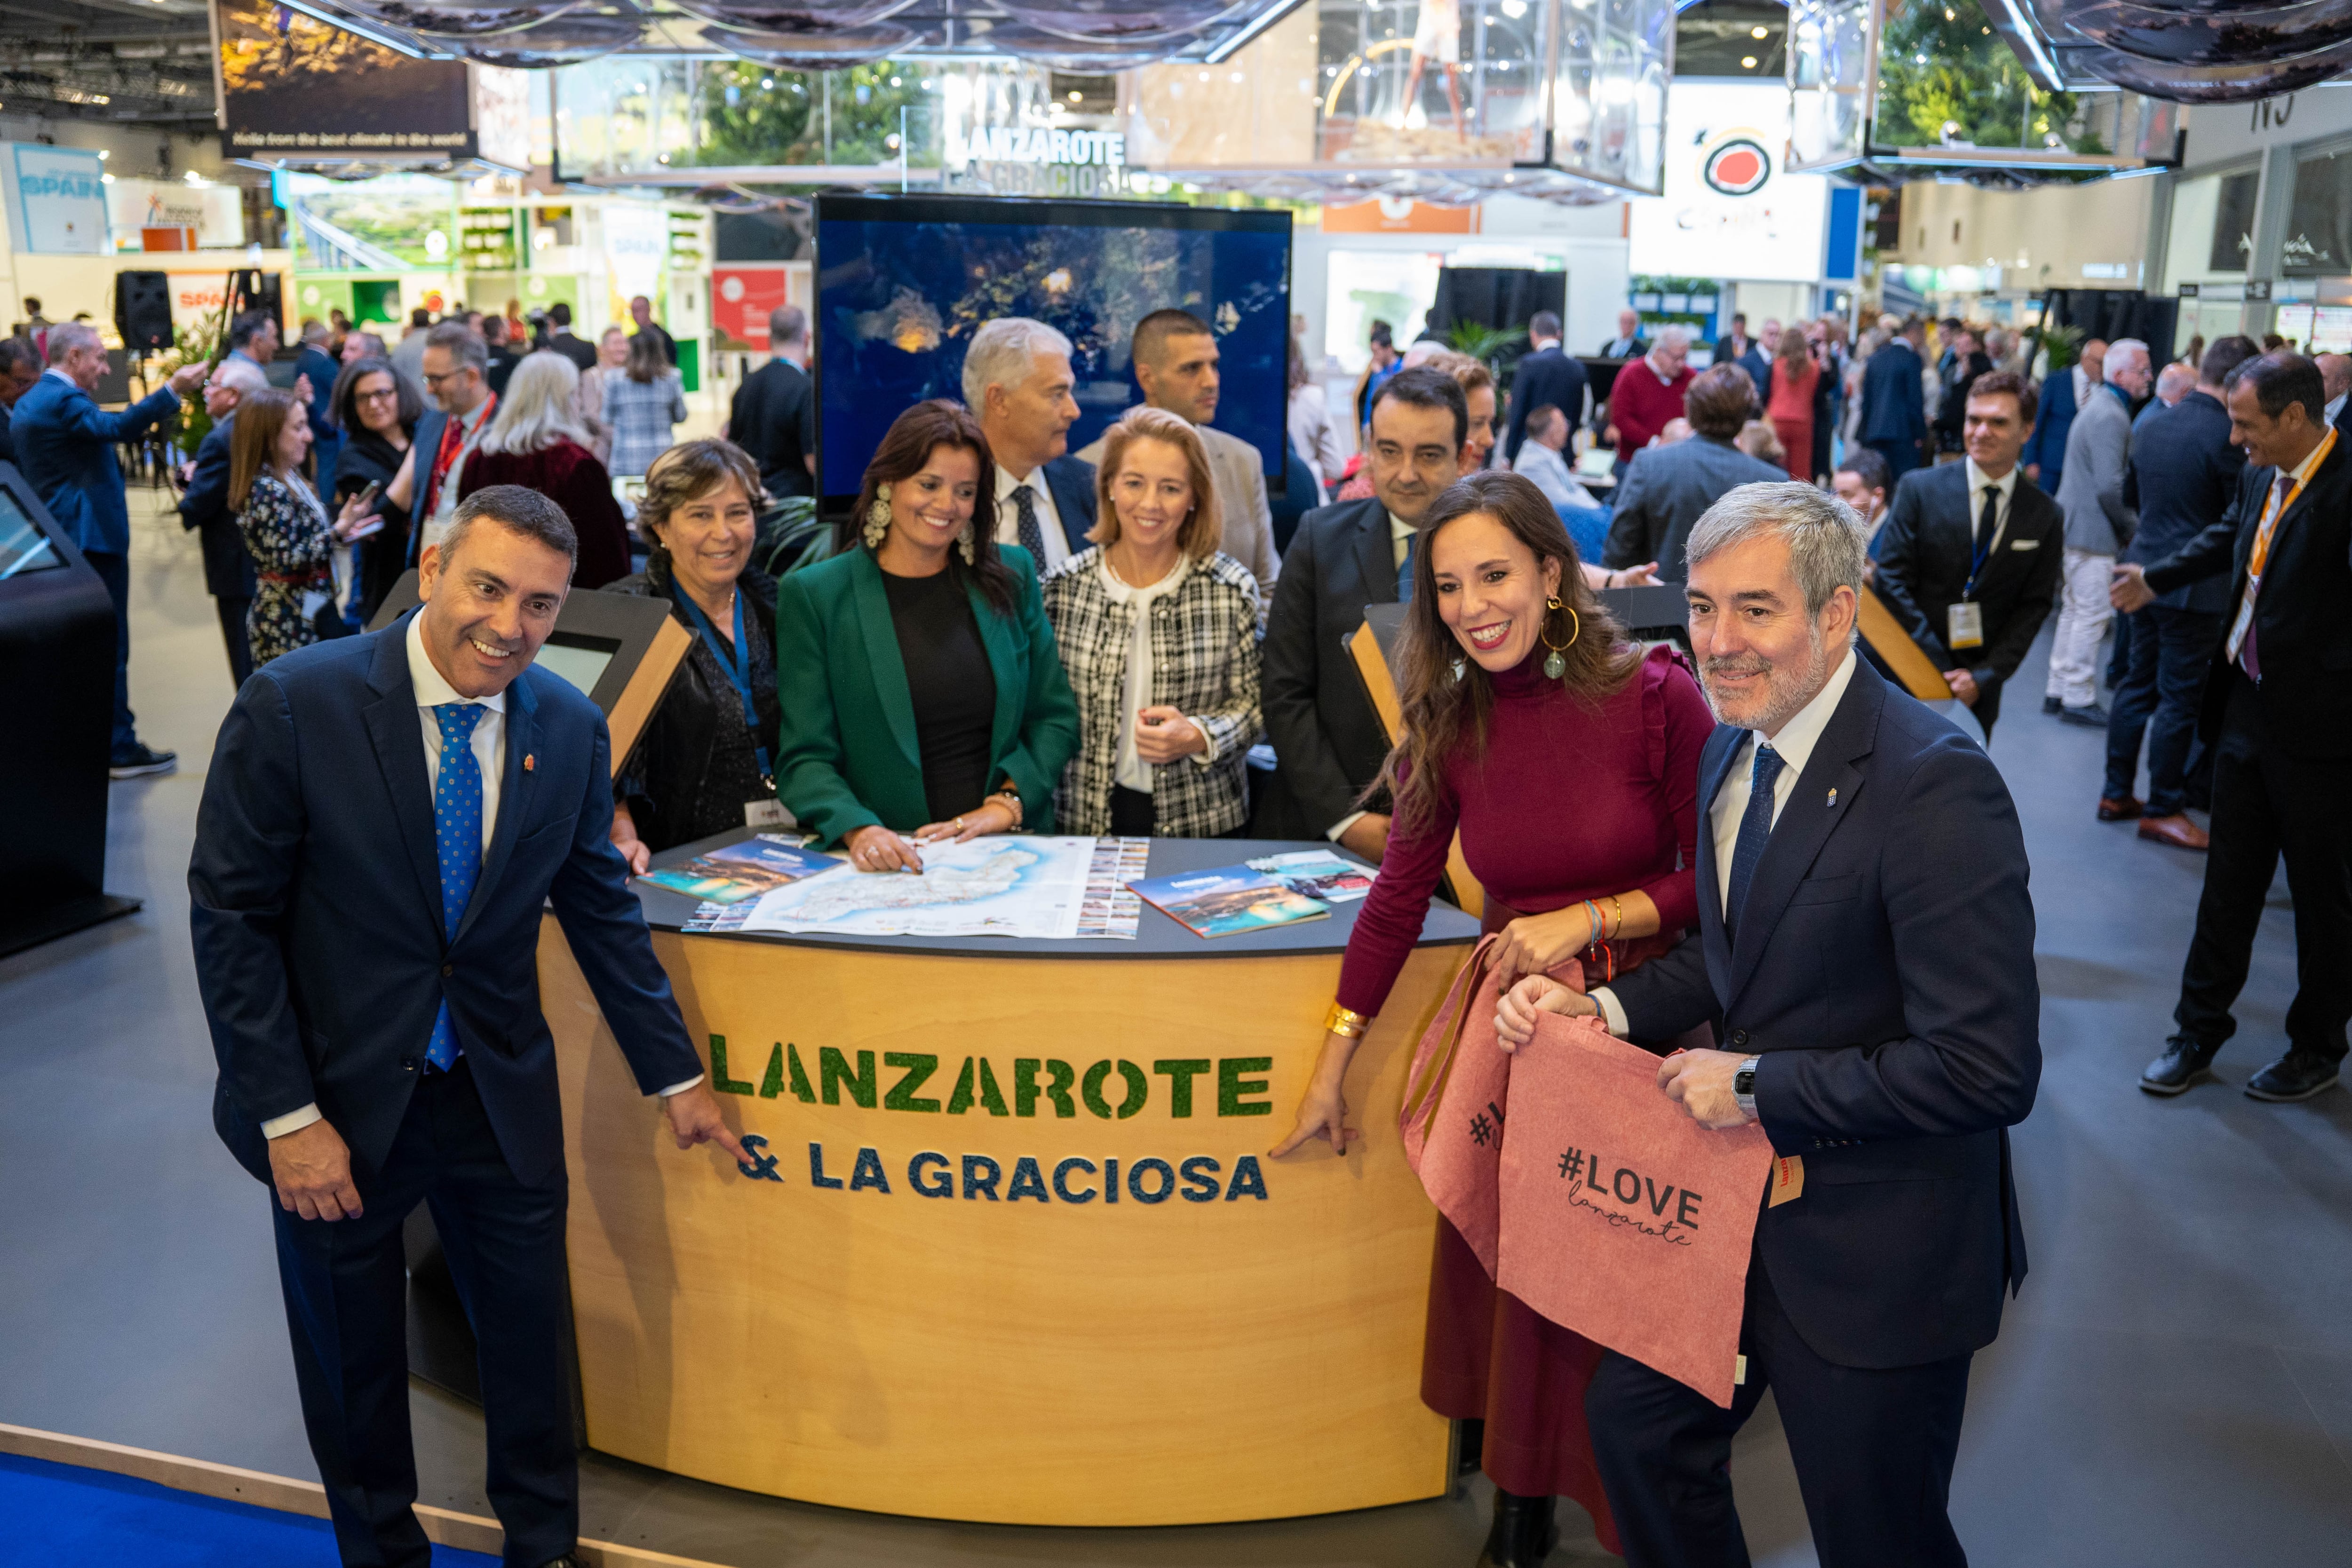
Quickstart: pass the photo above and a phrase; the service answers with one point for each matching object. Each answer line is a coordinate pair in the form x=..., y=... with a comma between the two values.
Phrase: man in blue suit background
x=385, y=817
x=1895, y=402
x=1850, y=831
x=2063, y=395
x=65, y=448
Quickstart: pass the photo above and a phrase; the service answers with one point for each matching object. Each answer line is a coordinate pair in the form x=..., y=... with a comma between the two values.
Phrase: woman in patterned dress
x=285, y=527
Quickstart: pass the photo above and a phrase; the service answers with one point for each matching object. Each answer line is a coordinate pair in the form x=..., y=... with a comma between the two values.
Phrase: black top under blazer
x=1884, y=976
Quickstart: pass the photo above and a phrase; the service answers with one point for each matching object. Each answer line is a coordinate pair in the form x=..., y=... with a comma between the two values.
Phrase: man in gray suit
x=1667, y=489
x=1175, y=356
x=2098, y=524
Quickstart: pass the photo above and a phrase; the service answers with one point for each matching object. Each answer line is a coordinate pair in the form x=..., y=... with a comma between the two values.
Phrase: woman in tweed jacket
x=1158, y=630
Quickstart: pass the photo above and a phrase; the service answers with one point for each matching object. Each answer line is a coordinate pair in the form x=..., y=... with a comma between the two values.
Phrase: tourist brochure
x=741, y=872
x=1318, y=874
x=1228, y=899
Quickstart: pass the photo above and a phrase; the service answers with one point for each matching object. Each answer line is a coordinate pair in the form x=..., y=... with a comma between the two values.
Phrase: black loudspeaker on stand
x=143, y=312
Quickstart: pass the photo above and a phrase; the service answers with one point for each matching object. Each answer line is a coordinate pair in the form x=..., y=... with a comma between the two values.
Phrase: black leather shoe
x=2298, y=1074
x=2050, y=705
x=2184, y=1061
x=566, y=1561
x=1523, y=1533
x=2089, y=716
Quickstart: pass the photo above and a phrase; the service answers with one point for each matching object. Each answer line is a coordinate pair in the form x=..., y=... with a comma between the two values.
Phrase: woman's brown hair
x=1447, y=696
x=906, y=446
x=1203, y=529
x=689, y=471
x=253, y=441
x=646, y=362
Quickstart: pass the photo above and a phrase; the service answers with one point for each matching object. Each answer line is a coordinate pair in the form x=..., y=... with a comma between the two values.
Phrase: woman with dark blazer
x=536, y=441
x=376, y=408
x=707, y=761
x=922, y=696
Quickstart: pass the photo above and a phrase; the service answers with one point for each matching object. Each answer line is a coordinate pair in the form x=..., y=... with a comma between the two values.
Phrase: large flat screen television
x=902, y=283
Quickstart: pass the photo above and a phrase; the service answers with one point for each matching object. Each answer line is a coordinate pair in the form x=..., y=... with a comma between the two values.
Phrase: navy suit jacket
x=229, y=564
x=1546, y=375
x=2046, y=446
x=1884, y=976
x=1893, y=401
x=2182, y=479
x=65, y=448
x=1327, y=739
x=315, y=899
x=1071, y=481
x=1666, y=489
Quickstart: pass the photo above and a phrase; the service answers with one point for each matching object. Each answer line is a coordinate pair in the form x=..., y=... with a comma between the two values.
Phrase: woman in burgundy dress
x=1569, y=761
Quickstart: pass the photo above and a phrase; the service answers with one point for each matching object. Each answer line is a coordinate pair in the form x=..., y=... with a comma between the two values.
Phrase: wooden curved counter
x=1020, y=1255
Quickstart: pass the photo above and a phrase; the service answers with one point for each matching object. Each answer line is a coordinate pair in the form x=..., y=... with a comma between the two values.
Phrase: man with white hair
x=65, y=448
x=1840, y=817
x=228, y=565
x=2098, y=524
x=1646, y=396
x=1018, y=383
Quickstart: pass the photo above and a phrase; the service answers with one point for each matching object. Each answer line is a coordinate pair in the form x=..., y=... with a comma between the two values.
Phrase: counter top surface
x=1157, y=936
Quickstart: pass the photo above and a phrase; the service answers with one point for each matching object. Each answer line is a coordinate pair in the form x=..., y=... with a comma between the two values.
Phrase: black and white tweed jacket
x=1204, y=655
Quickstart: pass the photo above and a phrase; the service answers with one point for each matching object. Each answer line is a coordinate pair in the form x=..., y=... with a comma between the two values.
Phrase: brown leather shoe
x=2124, y=810
x=2176, y=830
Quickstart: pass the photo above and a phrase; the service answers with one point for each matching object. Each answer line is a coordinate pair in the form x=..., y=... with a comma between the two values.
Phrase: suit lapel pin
x=1832, y=793
x=531, y=762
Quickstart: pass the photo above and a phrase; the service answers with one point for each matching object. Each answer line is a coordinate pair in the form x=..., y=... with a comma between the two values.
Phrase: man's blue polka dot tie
x=457, y=833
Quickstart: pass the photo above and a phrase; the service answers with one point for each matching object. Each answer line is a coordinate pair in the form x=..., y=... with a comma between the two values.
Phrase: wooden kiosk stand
x=1012, y=1250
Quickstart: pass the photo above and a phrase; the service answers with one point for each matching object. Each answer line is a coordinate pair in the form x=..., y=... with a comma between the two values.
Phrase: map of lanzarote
x=989, y=887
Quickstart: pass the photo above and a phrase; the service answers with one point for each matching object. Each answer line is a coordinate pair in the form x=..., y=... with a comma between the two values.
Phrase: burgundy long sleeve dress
x=1570, y=801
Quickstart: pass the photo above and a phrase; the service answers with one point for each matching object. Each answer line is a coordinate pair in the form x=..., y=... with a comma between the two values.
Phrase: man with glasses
x=456, y=378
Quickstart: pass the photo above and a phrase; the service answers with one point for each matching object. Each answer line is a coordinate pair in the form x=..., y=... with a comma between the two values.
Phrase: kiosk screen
x=23, y=546
x=578, y=659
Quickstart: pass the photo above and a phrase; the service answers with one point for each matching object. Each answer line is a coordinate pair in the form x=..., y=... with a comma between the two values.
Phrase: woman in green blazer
x=923, y=700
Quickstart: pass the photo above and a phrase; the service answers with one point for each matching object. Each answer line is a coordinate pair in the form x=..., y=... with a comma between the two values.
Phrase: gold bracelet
x=1345, y=1022
x=1619, y=904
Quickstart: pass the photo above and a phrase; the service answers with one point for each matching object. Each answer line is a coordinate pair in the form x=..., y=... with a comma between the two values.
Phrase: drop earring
x=965, y=545
x=877, y=518
x=1554, y=665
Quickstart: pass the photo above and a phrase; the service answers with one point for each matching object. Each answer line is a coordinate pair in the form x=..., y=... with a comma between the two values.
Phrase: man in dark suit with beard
x=1970, y=556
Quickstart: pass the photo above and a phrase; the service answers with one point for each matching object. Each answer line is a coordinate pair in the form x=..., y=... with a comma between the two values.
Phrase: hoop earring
x=1554, y=666
x=877, y=518
x=965, y=544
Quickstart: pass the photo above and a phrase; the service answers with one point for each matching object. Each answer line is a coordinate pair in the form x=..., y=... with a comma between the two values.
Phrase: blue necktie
x=457, y=834
x=1032, y=530
x=1404, y=573
x=1754, y=827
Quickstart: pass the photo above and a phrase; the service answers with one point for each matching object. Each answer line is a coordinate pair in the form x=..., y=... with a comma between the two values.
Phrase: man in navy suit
x=1018, y=383
x=65, y=448
x=229, y=564
x=2063, y=395
x=1544, y=375
x=1850, y=831
x=384, y=819
x=1895, y=403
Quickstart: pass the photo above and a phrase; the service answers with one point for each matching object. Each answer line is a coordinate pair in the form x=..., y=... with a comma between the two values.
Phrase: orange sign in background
x=1391, y=214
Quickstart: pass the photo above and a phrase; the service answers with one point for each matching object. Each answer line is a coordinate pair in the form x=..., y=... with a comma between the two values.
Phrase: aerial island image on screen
x=898, y=303
x=987, y=887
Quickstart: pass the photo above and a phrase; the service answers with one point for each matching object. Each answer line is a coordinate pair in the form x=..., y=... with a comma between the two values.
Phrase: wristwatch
x=1743, y=1087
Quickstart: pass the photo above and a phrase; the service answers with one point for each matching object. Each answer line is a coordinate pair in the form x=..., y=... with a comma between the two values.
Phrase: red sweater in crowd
x=1570, y=801
x=1640, y=405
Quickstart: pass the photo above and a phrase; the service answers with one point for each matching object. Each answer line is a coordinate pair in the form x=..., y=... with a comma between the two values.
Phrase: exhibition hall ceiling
x=130, y=62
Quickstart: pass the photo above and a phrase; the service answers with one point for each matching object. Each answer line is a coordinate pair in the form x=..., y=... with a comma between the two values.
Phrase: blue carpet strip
x=60, y=1515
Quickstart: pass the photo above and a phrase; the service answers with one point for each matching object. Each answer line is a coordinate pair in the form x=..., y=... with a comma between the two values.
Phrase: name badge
x=1966, y=625
x=768, y=812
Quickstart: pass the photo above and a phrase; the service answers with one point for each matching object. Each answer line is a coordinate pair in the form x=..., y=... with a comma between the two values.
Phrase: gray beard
x=1787, y=699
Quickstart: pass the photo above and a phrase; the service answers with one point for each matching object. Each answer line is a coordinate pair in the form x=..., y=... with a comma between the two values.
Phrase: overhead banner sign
x=57, y=202
x=292, y=87
x=1730, y=208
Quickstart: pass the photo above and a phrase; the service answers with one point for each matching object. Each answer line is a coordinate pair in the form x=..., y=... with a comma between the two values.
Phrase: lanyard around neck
x=736, y=665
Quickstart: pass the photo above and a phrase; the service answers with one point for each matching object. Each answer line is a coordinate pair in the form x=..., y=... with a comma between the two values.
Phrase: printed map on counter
x=1007, y=886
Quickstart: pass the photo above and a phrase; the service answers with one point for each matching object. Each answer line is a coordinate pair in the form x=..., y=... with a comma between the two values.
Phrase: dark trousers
x=240, y=648
x=2265, y=806
x=114, y=571
x=1872, y=1448
x=1902, y=457
x=2164, y=681
x=345, y=1283
x=1131, y=813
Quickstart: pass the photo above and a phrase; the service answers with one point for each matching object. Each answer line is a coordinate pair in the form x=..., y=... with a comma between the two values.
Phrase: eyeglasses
x=382, y=394
x=433, y=382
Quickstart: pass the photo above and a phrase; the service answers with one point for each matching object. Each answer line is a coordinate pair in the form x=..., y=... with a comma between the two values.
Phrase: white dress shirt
x=489, y=755
x=1049, y=517
x=1979, y=482
x=1401, y=534
x=1795, y=742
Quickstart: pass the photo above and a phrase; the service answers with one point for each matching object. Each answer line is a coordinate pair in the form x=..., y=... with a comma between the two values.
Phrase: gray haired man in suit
x=1668, y=488
x=1175, y=356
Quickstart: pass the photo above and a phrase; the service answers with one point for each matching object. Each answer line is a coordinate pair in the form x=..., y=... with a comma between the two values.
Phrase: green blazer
x=847, y=756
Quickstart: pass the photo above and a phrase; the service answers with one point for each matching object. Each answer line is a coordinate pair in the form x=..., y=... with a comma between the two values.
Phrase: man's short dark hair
x=2226, y=356
x=15, y=352
x=517, y=510
x=1152, y=332
x=1543, y=324
x=1540, y=416
x=1951, y=324
x=1738, y=318
x=559, y=314
x=494, y=329
x=2007, y=383
x=2281, y=378
x=1423, y=387
x=1381, y=333
x=461, y=343
x=1867, y=465
x=242, y=330
x=420, y=317
x=1720, y=399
